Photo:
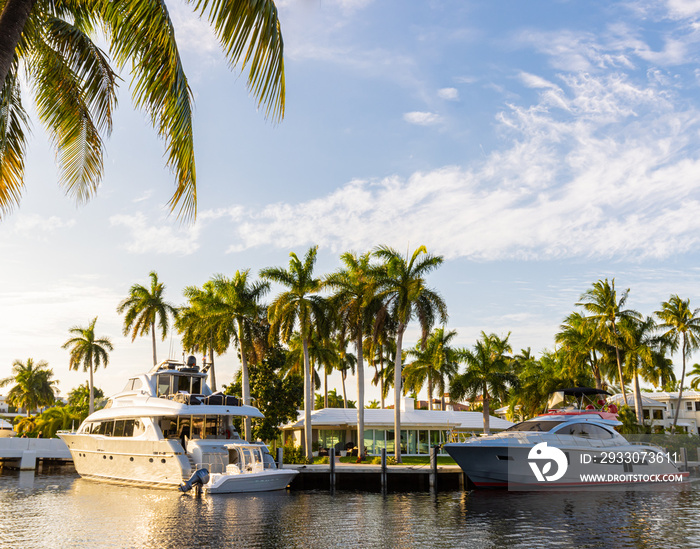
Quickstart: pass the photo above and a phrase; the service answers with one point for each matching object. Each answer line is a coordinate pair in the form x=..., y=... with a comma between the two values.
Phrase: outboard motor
x=198, y=479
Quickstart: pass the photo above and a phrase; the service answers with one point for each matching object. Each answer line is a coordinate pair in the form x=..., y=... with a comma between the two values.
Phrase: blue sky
x=538, y=146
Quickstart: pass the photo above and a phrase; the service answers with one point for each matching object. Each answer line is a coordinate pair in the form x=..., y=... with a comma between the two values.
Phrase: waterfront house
x=420, y=429
x=689, y=414
x=654, y=412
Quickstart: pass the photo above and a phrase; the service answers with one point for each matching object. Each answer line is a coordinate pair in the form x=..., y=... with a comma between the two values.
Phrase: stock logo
x=541, y=458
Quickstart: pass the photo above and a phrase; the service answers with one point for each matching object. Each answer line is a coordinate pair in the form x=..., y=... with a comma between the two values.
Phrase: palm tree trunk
x=397, y=394
x=12, y=21
x=680, y=389
x=307, y=399
x=245, y=382
x=381, y=377
x=619, y=367
x=638, y=400
x=212, y=374
x=596, y=372
x=91, y=407
x=360, y=396
x=487, y=417
x=325, y=388
x=344, y=375
x=430, y=393
x=153, y=339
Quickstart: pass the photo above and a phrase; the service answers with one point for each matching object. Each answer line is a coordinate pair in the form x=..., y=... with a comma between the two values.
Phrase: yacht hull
x=509, y=466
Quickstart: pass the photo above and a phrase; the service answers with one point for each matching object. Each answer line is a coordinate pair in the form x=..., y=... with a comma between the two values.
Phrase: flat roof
x=410, y=419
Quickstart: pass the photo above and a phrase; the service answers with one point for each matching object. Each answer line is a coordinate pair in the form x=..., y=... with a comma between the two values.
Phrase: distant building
x=420, y=429
x=660, y=409
x=653, y=411
x=4, y=407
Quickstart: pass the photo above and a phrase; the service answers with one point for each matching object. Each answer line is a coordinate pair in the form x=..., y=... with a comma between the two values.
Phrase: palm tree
x=88, y=350
x=58, y=417
x=606, y=310
x=355, y=302
x=380, y=349
x=79, y=399
x=581, y=344
x=144, y=308
x=681, y=325
x=235, y=309
x=434, y=364
x=299, y=307
x=199, y=330
x=33, y=387
x=487, y=374
x=347, y=362
x=644, y=355
x=401, y=285
x=75, y=86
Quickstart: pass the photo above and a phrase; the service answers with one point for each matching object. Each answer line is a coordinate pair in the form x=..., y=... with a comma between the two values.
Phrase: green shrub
x=295, y=455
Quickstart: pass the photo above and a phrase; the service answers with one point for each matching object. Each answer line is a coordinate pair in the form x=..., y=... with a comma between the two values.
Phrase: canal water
x=58, y=509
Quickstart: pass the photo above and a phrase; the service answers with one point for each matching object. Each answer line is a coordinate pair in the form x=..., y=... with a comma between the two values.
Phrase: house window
x=689, y=406
x=645, y=414
x=697, y=405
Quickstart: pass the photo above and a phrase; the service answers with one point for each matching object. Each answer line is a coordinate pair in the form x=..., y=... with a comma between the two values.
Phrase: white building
x=420, y=429
x=4, y=407
x=689, y=413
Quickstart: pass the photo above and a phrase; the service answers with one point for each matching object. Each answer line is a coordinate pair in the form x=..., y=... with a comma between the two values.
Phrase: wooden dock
x=395, y=478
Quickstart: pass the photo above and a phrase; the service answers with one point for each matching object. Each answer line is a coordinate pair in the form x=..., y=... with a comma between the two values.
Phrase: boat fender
x=198, y=478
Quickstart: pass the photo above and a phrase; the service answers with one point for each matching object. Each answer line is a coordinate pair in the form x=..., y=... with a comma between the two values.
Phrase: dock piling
x=383, y=473
x=280, y=457
x=433, y=467
x=331, y=453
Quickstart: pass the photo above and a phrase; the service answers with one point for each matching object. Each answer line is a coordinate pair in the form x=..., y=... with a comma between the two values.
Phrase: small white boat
x=166, y=429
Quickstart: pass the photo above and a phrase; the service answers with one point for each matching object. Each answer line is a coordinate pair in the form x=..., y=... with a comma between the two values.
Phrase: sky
x=537, y=146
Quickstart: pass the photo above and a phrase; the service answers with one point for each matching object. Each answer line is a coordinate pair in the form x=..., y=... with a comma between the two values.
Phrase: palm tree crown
x=88, y=350
x=75, y=86
x=33, y=387
x=144, y=308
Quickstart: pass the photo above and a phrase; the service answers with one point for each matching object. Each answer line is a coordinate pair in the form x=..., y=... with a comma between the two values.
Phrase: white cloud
x=450, y=94
x=611, y=173
x=40, y=225
x=421, y=118
x=159, y=237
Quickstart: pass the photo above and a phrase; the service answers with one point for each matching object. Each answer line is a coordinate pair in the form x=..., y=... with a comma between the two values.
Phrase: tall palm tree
x=381, y=350
x=236, y=308
x=33, y=387
x=347, y=362
x=681, y=325
x=487, y=375
x=644, y=355
x=300, y=307
x=355, y=301
x=75, y=86
x=89, y=350
x=434, y=364
x=606, y=310
x=401, y=286
x=199, y=330
x=581, y=344
x=144, y=308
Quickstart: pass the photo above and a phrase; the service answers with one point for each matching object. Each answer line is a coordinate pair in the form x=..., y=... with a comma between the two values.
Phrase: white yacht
x=166, y=427
x=564, y=448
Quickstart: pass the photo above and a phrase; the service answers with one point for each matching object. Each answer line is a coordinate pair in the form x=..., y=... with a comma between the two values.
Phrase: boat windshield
x=536, y=425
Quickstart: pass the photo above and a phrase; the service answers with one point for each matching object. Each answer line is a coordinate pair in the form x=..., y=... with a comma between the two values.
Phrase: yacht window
x=233, y=456
x=196, y=385
x=129, y=385
x=183, y=384
x=137, y=384
x=211, y=426
x=168, y=427
x=109, y=428
x=543, y=425
x=197, y=424
x=163, y=385
x=118, y=428
x=129, y=428
x=586, y=430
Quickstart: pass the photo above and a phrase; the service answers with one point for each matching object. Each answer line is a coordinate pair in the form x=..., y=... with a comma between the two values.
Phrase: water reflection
x=62, y=510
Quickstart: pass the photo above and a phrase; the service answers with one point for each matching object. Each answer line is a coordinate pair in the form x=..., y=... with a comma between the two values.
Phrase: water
x=58, y=509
